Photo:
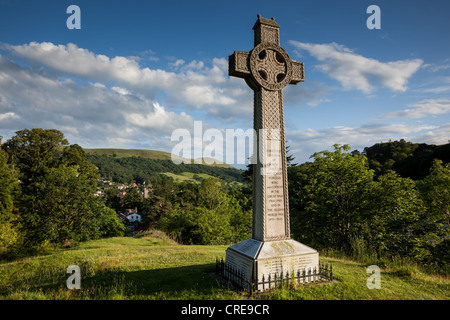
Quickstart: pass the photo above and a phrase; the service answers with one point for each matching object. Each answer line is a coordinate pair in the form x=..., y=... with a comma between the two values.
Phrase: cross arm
x=238, y=64
x=298, y=72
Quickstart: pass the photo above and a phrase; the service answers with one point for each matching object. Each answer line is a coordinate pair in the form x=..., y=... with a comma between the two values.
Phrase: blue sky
x=138, y=70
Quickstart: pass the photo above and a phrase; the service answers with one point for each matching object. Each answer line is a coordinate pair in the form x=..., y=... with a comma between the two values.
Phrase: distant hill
x=148, y=154
x=120, y=153
x=138, y=165
x=408, y=159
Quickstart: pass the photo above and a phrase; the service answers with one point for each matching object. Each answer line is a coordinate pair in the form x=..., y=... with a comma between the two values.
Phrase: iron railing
x=324, y=273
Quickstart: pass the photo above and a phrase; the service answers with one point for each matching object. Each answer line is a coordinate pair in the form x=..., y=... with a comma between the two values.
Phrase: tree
x=8, y=187
x=335, y=197
x=208, y=215
x=34, y=151
x=289, y=158
x=394, y=217
x=57, y=203
x=132, y=199
x=8, y=183
x=435, y=191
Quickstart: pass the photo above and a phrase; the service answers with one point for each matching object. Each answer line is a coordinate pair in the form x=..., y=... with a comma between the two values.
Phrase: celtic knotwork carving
x=270, y=66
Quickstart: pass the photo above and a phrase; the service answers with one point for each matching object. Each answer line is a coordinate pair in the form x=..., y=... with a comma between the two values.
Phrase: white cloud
x=177, y=64
x=436, y=68
x=422, y=109
x=194, y=85
x=159, y=119
x=438, y=89
x=8, y=116
x=440, y=135
x=89, y=114
x=304, y=143
x=356, y=72
x=119, y=90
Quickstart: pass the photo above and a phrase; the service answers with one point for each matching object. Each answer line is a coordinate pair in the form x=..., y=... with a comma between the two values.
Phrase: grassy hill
x=155, y=267
x=134, y=165
x=148, y=154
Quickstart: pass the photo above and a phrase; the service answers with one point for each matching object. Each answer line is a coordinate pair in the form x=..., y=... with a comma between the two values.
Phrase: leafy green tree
x=335, y=197
x=57, y=203
x=8, y=183
x=106, y=224
x=8, y=187
x=395, y=216
x=34, y=151
x=132, y=199
x=113, y=199
x=435, y=191
x=211, y=216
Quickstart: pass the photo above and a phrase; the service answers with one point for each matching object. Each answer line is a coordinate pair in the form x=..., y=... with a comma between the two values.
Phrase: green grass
x=152, y=266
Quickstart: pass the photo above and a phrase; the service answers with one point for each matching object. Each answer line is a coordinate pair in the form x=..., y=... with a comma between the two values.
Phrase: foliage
x=335, y=196
x=56, y=201
x=209, y=215
x=9, y=235
x=435, y=191
x=337, y=202
x=394, y=217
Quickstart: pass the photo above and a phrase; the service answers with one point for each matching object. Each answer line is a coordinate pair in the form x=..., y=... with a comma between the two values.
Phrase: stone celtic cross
x=267, y=69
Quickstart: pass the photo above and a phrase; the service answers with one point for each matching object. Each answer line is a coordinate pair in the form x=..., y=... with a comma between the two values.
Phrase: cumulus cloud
x=356, y=72
x=422, y=109
x=90, y=114
x=194, y=84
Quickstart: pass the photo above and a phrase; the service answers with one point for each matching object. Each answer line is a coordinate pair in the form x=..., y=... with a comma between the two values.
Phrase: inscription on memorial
x=283, y=265
x=274, y=195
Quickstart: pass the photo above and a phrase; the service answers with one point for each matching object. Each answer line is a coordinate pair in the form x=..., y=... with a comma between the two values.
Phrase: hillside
x=135, y=165
x=148, y=154
x=155, y=267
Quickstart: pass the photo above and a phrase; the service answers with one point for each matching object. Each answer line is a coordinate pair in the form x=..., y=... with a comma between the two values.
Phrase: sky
x=136, y=71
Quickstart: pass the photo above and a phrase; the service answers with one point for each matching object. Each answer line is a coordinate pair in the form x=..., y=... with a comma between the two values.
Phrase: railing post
x=263, y=284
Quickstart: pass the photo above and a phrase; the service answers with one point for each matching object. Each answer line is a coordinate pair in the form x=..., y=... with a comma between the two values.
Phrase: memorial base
x=255, y=259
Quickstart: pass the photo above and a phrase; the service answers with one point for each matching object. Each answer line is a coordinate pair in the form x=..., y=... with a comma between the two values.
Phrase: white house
x=134, y=217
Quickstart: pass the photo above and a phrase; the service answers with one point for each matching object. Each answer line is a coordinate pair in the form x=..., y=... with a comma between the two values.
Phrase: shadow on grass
x=187, y=282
